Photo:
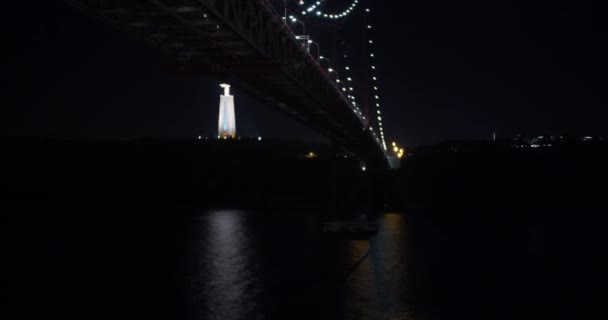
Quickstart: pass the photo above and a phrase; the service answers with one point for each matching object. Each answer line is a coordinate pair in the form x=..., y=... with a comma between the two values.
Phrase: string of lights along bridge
x=315, y=17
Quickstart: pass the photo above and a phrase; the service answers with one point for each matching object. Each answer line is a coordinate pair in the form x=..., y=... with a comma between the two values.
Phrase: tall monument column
x=227, y=122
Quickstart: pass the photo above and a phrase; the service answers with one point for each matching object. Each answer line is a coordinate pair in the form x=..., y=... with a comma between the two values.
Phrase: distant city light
x=311, y=155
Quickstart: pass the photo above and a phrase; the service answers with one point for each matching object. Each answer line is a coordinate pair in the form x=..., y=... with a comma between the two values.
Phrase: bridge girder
x=247, y=42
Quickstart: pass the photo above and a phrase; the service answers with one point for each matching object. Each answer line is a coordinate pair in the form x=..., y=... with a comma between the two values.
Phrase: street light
x=318, y=48
x=304, y=42
x=302, y=23
x=339, y=82
x=328, y=62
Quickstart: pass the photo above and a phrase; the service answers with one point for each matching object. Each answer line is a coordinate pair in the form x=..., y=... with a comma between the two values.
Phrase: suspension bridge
x=252, y=45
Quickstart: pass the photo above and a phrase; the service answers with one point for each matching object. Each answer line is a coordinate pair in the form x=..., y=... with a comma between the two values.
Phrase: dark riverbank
x=497, y=177
x=167, y=173
x=276, y=175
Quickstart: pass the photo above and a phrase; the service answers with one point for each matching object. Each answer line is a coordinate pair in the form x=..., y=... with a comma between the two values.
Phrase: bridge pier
x=352, y=190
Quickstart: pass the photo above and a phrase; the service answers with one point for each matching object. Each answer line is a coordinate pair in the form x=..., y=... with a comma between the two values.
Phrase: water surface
x=230, y=264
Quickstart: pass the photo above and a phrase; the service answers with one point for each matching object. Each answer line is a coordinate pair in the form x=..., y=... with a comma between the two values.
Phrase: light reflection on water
x=229, y=281
x=252, y=265
x=236, y=281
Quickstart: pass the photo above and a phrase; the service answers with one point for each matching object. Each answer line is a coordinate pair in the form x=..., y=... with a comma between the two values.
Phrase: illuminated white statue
x=226, y=122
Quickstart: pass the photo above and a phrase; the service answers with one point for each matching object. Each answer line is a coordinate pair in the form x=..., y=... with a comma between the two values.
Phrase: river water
x=231, y=264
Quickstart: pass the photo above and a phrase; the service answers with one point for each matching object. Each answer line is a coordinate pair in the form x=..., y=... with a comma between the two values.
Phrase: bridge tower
x=226, y=123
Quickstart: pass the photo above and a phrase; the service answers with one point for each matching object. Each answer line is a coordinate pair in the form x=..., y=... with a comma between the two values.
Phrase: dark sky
x=447, y=70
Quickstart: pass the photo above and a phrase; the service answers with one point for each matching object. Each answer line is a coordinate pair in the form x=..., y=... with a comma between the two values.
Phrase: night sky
x=447, y=70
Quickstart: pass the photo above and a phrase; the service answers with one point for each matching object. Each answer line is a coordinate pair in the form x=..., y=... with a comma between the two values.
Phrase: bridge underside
x=246, y=43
